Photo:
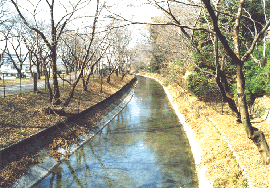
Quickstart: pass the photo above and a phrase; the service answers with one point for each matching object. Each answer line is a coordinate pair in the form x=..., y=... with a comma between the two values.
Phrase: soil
x=231, y=159
x=24, y=115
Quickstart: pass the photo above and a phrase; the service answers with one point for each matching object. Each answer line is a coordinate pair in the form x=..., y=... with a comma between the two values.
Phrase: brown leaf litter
x=24, y=115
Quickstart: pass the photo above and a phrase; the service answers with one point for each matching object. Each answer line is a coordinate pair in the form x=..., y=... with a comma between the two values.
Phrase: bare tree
x=83, y=53
x=253, y=133
x=15, y=49
x=5, y=29
x=37, y=50
x=18, y=56
x=141, y=56
x=52, y=39
x=118, y=55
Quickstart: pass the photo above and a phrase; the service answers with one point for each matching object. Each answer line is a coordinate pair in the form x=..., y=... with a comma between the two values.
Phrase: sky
x=135, y=10
x=138, y=10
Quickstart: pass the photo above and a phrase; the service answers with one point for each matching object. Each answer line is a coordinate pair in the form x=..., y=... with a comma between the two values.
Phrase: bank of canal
x=144, y=146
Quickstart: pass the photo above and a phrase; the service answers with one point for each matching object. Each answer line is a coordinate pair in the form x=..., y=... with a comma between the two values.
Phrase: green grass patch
x=21, y=133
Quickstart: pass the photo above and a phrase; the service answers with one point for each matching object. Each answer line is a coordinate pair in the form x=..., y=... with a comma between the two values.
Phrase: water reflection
x=144, y=146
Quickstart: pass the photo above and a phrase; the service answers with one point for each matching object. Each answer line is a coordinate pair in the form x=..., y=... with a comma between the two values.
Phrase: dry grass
x=16, y=81
x=214, y=131
x=24, y=115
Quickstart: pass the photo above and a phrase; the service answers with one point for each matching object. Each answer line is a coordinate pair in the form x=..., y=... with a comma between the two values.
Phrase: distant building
x=9, y=71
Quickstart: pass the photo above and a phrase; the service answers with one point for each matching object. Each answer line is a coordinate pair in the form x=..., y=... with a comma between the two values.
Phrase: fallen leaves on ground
x=24, y=115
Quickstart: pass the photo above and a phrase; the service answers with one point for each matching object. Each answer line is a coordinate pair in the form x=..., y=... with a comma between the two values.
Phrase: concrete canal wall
x=200, y=169
x=39, y=171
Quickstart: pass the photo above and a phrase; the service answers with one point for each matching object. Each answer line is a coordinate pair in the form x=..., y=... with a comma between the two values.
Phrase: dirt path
x=12, y=86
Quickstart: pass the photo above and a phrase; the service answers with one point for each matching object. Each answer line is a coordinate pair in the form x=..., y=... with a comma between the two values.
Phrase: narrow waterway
x=144, y=146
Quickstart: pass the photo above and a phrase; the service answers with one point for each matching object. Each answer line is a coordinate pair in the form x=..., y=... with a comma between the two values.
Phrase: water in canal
x=144, y=146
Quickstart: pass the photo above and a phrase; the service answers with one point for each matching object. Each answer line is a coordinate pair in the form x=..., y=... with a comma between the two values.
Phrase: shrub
x=203, y=86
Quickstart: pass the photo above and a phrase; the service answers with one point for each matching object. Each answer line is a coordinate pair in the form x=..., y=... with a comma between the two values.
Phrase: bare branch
x=261, y=33
x=187, y=4
x=168, y=23
x=32, y=28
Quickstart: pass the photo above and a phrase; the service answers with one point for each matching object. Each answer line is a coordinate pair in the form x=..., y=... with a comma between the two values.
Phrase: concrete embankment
x=200, y=169
x=112, y=105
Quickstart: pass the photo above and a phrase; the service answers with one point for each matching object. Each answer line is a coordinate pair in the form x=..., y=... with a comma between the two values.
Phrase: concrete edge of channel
x=39, y=171
x=9, y=149
x=196, y=152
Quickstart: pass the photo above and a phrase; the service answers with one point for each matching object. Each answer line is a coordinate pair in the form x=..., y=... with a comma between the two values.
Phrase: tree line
x=74, y=33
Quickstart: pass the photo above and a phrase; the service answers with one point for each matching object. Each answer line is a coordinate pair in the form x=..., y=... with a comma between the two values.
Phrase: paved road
x=10, y=90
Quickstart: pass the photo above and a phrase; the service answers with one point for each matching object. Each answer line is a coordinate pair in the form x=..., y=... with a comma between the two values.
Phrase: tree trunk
x=227, y=99
x=56, y=91
x=47, y=78
x=84, y=84
x=123, y=75
x=53, y=55
x=221, y=77
x=38, y=69
x=71, y=93
x=109, y=78
x=264, y=37
x=253, y=133
x=100, y=73
x=30, y=64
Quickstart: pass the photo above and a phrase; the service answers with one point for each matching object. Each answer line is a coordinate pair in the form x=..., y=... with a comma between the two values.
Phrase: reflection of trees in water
x=58, y=173
x=73, y=173
x=106, y=178
x=118, y=177
x=142, y=90
x=81, y=156
x=59, y=177
x=102, y=162
x=172, y=150
x=152, y=96
x=166, y=138
x=116, y=134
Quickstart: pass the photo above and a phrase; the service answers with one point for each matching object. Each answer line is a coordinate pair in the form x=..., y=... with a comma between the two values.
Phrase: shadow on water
x=144, y=146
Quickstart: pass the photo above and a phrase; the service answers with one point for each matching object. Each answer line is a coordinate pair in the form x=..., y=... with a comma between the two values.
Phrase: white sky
x=135, y=10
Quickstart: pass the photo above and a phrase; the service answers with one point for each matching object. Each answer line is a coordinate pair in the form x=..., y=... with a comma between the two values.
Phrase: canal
x=144, y=146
